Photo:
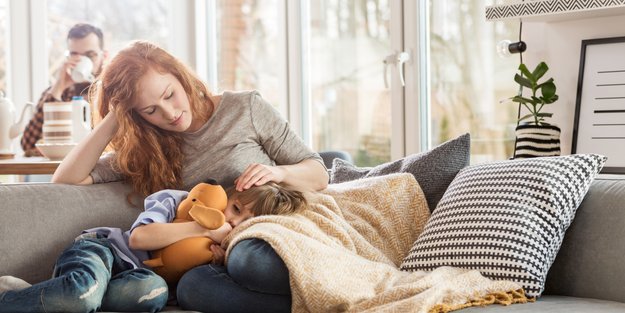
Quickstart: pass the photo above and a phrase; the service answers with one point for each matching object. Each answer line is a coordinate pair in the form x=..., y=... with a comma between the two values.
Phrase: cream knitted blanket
x=343, y=254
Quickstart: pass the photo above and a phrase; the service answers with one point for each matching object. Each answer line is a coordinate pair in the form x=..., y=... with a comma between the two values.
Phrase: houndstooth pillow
x=506, y=219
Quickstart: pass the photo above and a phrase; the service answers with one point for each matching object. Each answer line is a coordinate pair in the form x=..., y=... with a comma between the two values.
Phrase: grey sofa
x=39, y=220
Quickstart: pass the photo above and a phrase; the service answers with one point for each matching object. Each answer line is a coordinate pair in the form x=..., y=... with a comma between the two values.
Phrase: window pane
x=4, y=45
x=350, y=106
x=468, y=79
x=249, y=47
x=121, y=21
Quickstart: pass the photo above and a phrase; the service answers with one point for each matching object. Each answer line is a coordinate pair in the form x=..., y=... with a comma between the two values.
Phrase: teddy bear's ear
x=211, y=181
x=209, y=218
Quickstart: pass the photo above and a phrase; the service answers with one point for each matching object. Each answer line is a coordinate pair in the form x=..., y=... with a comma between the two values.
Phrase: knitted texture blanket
x=344, y=252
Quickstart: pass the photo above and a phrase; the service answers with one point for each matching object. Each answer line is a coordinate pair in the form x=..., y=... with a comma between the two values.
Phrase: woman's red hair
x=149, y=157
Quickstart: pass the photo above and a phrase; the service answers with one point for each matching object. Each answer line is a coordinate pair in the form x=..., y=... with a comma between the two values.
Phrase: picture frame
x=599, y=125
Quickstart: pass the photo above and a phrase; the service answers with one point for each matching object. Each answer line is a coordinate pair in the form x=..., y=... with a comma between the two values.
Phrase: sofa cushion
x=548, y=304
x=590, y=261
x=40, y=220
x=506, y=219
x=434, y=169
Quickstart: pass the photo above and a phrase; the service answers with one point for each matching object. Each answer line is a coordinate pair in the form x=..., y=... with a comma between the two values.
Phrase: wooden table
x=28, y=166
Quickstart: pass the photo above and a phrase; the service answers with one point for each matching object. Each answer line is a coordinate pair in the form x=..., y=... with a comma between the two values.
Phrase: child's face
x=236, y=212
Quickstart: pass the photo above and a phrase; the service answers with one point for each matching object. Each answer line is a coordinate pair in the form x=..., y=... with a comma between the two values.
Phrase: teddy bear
x=205, y=205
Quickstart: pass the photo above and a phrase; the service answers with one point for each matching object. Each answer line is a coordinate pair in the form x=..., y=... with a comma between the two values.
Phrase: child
x=267, y=199
x=218, y=288
x=108, y=255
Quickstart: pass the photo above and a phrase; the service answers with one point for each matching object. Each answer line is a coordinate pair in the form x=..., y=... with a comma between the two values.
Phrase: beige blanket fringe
x=343, y=254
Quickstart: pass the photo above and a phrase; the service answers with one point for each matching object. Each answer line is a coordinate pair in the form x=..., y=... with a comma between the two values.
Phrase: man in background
x=82, y=39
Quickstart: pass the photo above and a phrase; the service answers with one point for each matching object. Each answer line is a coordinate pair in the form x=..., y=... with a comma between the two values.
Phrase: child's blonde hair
x=270, y=199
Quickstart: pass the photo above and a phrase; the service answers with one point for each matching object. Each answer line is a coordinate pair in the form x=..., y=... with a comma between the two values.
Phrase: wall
x=559, y=45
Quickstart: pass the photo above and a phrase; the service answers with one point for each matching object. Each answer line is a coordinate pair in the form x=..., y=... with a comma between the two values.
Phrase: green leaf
x=521, y=99
x=548, y=81
x=550, y=101
x=540, y=70
x=527, y=73
x=548, y=89
x=523, y=81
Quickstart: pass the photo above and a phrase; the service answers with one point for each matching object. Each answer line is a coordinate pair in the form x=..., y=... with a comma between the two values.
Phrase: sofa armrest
x=39, y=221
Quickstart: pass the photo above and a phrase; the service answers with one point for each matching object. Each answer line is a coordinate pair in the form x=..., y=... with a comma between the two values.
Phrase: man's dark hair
x=80, y=31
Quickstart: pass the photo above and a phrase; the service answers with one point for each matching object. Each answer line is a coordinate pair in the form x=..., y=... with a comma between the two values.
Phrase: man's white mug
x=82, y=72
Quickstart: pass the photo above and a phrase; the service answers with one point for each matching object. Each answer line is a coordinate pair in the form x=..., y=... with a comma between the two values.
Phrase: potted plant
x=534, y=136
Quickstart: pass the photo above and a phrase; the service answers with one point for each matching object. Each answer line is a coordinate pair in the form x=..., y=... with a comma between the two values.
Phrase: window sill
x=554, y=10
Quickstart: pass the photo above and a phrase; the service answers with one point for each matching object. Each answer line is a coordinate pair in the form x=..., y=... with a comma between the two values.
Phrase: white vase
x=536, y=141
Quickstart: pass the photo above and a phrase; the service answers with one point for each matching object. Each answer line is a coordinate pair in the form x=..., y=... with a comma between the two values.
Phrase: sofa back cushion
x=39, y=221
x=590, y=261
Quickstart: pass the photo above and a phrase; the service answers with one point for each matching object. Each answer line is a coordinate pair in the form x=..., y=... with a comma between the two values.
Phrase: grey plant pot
x=536, y=141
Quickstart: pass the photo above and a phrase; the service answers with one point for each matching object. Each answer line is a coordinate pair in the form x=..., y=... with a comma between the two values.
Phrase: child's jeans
x=256, y=280
x=89, y=276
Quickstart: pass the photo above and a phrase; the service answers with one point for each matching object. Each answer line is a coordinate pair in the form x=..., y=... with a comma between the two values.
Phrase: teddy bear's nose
x=193, y=200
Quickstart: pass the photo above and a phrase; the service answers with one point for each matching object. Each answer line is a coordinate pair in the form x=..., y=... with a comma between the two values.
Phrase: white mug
x=82, y=72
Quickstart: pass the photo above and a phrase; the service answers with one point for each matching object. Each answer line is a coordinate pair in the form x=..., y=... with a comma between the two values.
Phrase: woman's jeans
x=256, y=280
x=89, y=276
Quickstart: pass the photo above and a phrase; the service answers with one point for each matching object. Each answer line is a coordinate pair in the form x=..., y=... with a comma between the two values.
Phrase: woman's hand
x=219, y=254
x=307, y=175
x=259, y=174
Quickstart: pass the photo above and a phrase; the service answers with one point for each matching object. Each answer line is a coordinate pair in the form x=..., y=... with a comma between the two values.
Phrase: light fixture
x=506, y=48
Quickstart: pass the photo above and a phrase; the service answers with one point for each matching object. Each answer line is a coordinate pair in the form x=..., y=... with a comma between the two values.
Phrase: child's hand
x=220, y=233
x=219, y=254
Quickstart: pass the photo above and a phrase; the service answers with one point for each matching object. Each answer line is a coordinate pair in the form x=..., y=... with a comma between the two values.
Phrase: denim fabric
x=256, y=280
x=89, y=276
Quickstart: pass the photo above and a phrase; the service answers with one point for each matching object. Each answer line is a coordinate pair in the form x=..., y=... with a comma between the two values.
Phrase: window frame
x=27, y=32
x=193, y=38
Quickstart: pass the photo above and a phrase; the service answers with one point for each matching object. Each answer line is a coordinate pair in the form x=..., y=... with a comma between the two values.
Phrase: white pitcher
x=9, y=128
x=81, y=118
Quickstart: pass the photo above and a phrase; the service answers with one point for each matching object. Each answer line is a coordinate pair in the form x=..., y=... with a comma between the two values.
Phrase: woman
x=168, y=132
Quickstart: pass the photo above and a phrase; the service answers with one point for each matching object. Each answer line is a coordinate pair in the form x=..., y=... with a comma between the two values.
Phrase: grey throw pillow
x=434, y=169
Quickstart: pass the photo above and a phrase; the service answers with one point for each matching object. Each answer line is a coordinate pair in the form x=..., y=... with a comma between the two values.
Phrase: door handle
x=397, y=59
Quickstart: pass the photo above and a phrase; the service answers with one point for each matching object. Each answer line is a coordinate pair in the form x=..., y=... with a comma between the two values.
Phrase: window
x=121, y=21
x=250, y=50
x=3, y=60
x=350, y=106
x=4, y=45
x=469, y=80
x=344, y=103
